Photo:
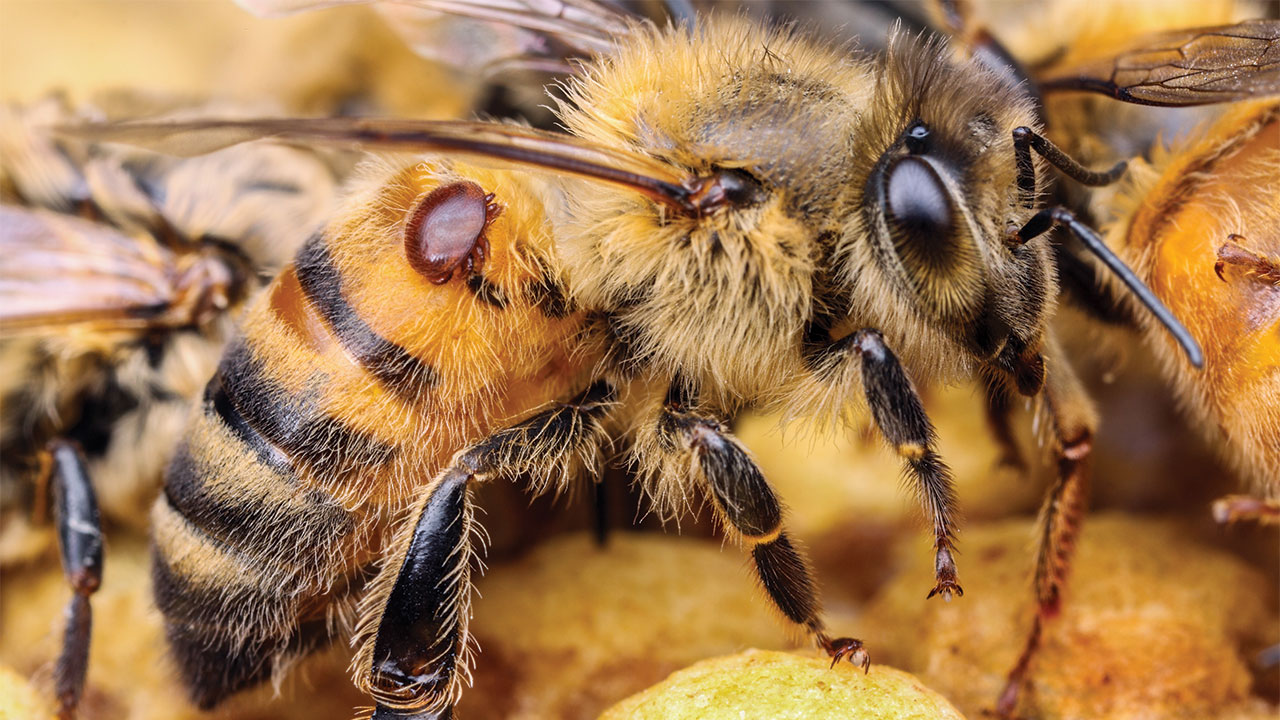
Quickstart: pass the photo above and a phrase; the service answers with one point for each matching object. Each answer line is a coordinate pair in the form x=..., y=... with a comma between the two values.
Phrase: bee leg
x=80, y=543
x=999, y=409
x=749, y=509
x=412, y=631
x=1073, y=421
x=901, y=418
x=1235, y=508
x=1257, y=266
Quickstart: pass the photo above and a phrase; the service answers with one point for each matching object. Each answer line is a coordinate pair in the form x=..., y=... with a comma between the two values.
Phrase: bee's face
x=938, y=195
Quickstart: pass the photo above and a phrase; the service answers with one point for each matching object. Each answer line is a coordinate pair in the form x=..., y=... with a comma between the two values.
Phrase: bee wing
x=59, y=270
x=509, y=143
x=586, y=26
x=1197, y=66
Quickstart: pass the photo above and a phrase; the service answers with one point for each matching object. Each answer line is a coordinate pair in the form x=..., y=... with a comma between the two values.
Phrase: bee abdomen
x=231, y=615
x=294, y=424
x=248, y=547
x=217, y=400
x=394, y=367
x=215, y=669
x=253, y=514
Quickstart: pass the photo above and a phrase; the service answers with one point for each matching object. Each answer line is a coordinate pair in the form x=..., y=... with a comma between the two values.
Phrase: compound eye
x=932, y=239
x=741, y=188
x=919, y=207
x=445, y=228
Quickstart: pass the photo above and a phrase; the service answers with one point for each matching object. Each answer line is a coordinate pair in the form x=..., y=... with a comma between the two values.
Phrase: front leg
x=414, y=656
x=901, y=418
x=685, y=444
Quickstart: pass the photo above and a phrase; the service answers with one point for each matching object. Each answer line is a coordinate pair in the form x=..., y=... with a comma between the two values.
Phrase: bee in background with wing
x=121, y=273
x=740, y=217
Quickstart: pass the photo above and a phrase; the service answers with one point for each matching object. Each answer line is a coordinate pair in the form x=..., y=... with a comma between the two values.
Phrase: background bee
x=122, y=272
x=718, y=267
x=1198, y=224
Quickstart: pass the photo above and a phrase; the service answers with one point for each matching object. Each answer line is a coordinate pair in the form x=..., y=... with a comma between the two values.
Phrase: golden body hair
x=1179, y=215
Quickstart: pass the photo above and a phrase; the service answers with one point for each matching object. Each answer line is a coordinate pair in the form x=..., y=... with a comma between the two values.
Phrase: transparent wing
x=1197, y=66
x=585, y=26
x=57, y=270
x=509, y=143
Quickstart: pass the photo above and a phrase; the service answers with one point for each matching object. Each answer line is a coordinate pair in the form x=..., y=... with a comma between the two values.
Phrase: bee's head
x=758, y=120
x=937, y=196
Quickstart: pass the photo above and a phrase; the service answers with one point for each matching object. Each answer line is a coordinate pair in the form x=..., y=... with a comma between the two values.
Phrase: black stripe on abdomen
x=295, y=424
x=251, y=512
x=204, y=602
x=396, y=368
x=215, y=397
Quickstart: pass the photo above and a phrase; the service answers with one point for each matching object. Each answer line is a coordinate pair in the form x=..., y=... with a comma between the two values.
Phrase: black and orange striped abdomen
x=356, y=378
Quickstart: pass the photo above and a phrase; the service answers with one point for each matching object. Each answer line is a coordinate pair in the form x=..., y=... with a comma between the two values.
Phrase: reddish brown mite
x=447, y=230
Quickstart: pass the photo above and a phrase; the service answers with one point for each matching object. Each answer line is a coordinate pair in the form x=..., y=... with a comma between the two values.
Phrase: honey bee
x=738, y=217
x=122, y=270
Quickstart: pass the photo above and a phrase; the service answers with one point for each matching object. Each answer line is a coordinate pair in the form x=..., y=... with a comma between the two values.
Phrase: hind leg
x=414, y=654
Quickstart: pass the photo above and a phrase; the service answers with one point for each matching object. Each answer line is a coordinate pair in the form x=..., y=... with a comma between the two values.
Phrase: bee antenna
x=1042, y=221
x=1025, y=140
